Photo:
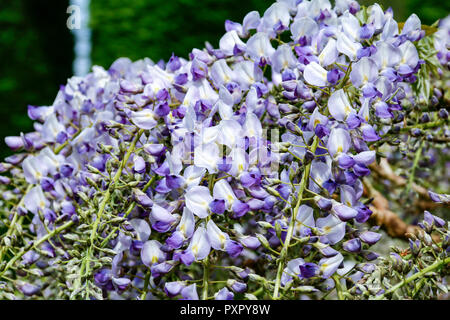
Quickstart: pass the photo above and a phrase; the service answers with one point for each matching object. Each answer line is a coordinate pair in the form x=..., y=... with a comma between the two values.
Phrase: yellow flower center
x=347, y=109
x=195, y=249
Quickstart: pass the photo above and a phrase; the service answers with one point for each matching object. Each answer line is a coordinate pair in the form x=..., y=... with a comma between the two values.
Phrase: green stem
x=346, y=77
x=205, y=278
x=146, y=282
x=113, y=183
x=424, y=126
x=62, y=146
x=418, y=287
x=290, y=231
x=130, y=208
x=85, y=270
x=414, y=166
x=339, y=290
x=258, y=291
x=12, y=226
x=35, y=245
x=419, y=274
x=407, y=129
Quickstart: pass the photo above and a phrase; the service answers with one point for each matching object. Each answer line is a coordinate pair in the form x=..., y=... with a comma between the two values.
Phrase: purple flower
x=333, y=76
x=439, y=198
x=181, y=79
x=174, y=181
x=237, y=286
x=217, y=206
x=139, y=164
x=142, y=199
x=370, y=237
x=366, y=31
x=162, y=268
x=103, y=277
x=233, y=248
x=249, y=179
x=308, y=270
x=30, y=257
x=174, y=63
x=121, y=283
x=365, y=158
x=190, y=292
x=196, y=135
x=161, y=219
x=198, y=199
x=345, y=161
x=216, y=237
x=173, y=289
x=344, y=212
x=15, y=143
x=151, y=253
x=304, y=220
x=364, y=213
x=28, y=289
x=176, y=240
x=361, y=170
x=47, y=184
x=250, y=242
x=323, y=203
x=199, y=246
x=66, y=170
x=430, y=220
x=369, y=255
x=284, y=191
x=332, y=227
x=240, y=209
x=328, y=266
x=224, y=294
x=339, y=106
x=144, y=119
x=353, y=245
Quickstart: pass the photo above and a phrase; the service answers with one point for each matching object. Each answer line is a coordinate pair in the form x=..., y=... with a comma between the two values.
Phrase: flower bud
x=265, y=224
x=142, y=199
x=236, y=286
x=415, y=246
x=353, y=245
x=443, y=114
x=263, y=241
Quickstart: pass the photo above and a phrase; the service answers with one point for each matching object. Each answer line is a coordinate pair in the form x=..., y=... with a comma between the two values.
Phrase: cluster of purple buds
x=148, y=179
x=405, y=268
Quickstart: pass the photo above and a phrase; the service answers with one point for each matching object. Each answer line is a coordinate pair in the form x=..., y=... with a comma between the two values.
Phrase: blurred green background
x=36, y=48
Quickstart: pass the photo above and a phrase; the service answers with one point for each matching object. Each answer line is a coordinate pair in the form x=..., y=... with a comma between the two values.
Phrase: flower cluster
x=239, y=171
x=402, y=274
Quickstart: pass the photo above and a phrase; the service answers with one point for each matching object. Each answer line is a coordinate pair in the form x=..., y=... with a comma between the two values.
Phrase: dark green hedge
x=155, y=28
x=429, y=10
x=35, y=58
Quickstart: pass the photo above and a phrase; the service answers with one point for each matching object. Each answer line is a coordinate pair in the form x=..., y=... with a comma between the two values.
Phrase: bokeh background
x=37, y=48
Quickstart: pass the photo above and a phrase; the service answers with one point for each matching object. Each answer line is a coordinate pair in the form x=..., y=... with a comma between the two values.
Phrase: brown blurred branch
x=384, y=217
x=384, y=171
